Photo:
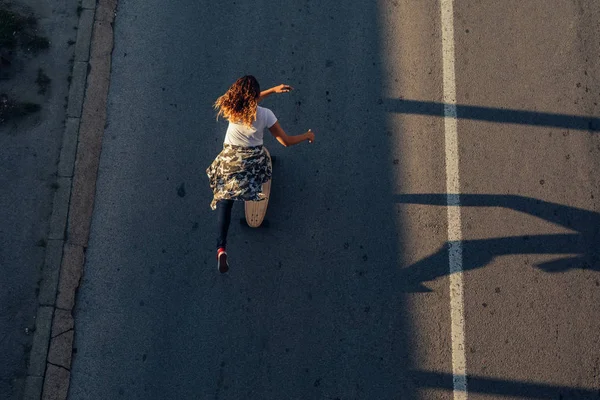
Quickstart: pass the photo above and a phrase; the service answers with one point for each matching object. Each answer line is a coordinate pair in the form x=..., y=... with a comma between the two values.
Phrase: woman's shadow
x=477, y=253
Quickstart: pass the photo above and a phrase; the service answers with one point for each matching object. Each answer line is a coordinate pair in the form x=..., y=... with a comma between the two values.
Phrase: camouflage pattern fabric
x=238, y=174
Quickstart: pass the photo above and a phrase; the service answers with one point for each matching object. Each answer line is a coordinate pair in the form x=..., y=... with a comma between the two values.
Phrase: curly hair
x=239, y=103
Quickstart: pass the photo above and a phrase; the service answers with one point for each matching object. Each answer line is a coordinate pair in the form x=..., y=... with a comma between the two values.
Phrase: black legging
x=223, y=220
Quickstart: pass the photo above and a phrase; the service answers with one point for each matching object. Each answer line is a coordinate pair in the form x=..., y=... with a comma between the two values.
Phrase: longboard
x=256, y=210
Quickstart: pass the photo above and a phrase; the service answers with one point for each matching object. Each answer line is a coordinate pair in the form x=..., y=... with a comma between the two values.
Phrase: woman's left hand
x=282, y=88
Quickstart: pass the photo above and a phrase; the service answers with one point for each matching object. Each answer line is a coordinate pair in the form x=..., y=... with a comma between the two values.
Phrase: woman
x=242, y=167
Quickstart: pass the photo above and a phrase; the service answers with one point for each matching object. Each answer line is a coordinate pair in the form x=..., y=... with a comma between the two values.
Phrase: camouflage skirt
x=238, y=173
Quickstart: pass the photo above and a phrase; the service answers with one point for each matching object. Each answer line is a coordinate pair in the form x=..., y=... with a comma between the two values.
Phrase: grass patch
x=11, y=109
x=43, y=81
x=18, y=30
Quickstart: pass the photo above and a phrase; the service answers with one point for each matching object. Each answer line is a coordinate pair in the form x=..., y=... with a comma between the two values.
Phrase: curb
x=49, y=370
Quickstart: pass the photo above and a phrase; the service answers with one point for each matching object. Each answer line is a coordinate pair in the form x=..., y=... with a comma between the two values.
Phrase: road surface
x=347, y=293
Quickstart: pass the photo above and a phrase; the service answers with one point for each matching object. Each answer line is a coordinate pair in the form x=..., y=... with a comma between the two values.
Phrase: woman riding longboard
x=241, y=168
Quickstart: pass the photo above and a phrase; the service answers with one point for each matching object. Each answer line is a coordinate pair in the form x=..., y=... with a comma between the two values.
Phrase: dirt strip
x=50, y=360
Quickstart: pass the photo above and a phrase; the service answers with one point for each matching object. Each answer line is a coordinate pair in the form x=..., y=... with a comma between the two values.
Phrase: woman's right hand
x=310, y=136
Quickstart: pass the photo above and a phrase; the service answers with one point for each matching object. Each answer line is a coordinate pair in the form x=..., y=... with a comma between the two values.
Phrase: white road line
x=457, y=314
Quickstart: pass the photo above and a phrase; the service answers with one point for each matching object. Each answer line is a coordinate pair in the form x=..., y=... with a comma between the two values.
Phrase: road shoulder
x=52, y=351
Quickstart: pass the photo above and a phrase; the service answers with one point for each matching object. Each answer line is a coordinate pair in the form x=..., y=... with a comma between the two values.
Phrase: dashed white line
x=457, y=315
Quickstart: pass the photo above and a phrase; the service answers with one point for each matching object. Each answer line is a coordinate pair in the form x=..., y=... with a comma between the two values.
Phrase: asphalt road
x=345, y=295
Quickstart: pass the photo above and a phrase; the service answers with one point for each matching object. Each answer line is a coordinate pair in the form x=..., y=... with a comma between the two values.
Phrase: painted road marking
x=457, y=314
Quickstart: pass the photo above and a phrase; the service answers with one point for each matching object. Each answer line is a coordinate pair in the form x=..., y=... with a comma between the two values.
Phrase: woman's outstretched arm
x=287, y=140
x=275, y=89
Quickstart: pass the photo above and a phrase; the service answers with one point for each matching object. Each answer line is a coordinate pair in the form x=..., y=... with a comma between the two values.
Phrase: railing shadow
x=500, y=115
x=501, y=387
x=479, y=252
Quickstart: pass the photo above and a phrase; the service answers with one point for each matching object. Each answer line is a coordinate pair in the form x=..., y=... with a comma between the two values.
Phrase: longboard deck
x=256, y=210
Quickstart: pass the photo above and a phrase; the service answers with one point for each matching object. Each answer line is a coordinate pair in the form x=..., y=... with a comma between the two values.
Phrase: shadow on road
x=500, y=115
x=500, y=387
x=478, y=252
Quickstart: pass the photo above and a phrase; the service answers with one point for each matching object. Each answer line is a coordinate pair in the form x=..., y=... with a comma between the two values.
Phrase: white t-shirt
x=242, y=135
